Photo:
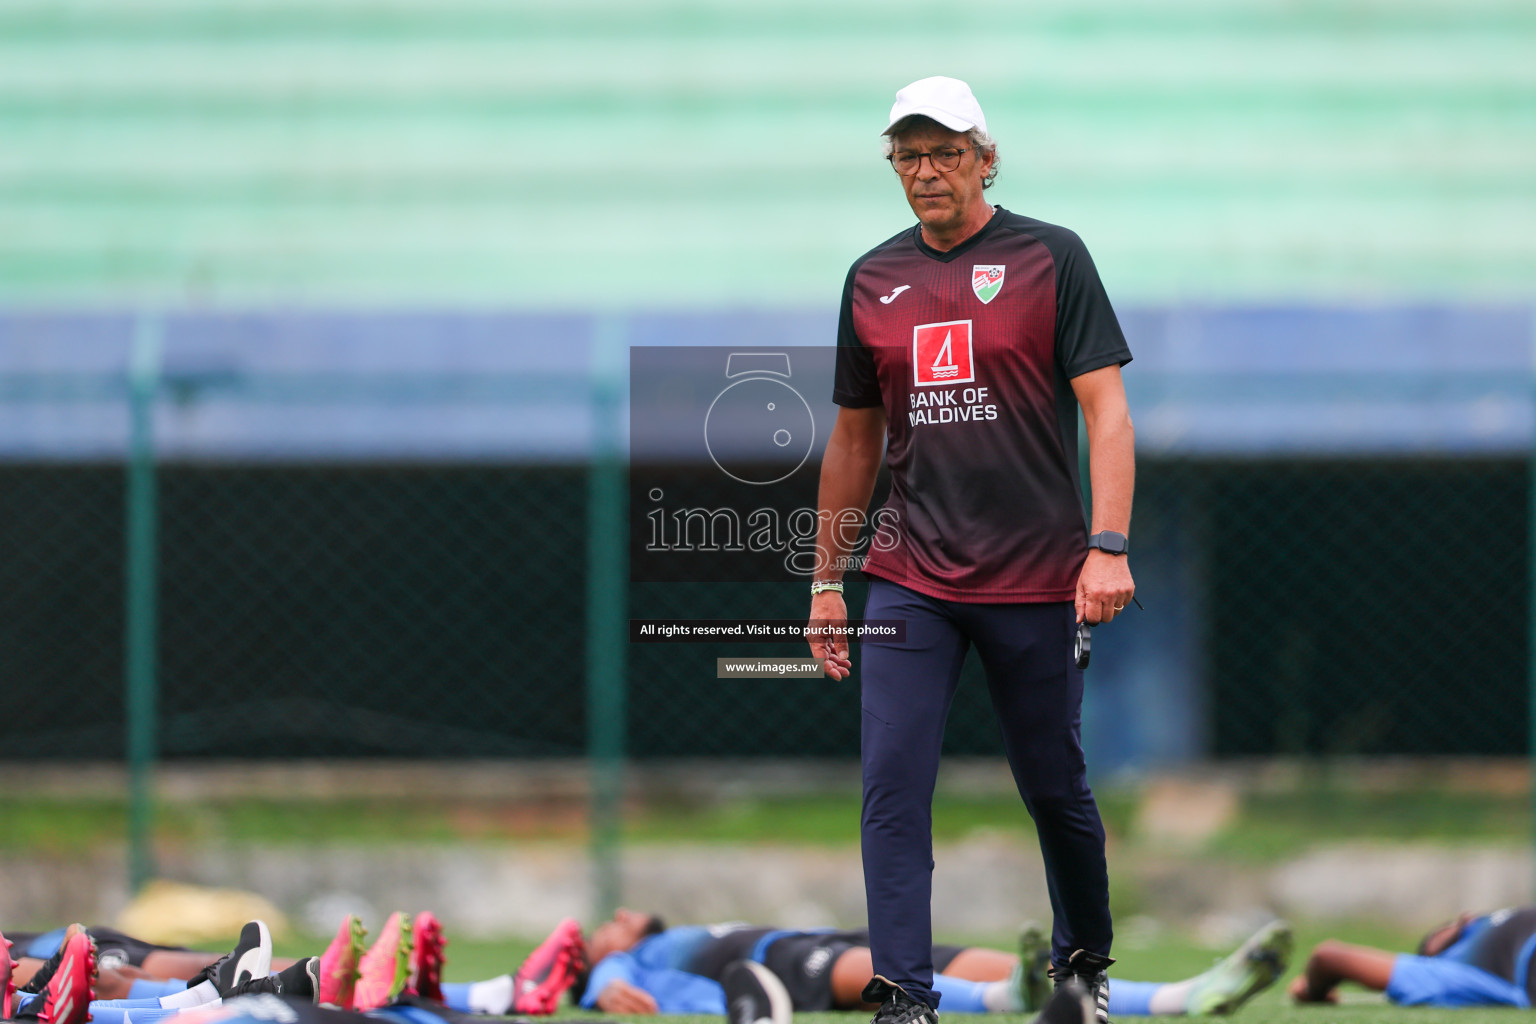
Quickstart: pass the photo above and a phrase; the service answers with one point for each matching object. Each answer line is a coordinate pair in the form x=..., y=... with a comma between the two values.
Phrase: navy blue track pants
x=1037, y=692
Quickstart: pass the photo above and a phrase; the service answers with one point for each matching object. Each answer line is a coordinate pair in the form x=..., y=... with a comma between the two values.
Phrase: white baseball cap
x=948, y=101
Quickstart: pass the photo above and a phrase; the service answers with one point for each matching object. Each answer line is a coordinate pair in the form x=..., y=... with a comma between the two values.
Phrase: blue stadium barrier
x=472, y=386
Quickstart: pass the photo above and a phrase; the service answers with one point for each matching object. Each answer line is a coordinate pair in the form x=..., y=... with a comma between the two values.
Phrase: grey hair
x=983, y=143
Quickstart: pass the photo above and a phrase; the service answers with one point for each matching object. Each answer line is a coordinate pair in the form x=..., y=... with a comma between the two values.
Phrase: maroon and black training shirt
x=971, y=352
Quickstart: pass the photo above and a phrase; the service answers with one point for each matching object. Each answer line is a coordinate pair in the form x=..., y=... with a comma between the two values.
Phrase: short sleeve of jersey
x=855, y=383
x=1088, y=335
x=1433, y=981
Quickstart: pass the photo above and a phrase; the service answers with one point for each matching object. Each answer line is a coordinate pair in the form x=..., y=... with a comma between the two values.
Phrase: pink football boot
x=427, y=959
x=382, y=973
x=338, y=964
x=549, y=970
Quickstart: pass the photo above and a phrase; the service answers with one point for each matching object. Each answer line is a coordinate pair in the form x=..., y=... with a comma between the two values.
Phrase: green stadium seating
x=613, y=153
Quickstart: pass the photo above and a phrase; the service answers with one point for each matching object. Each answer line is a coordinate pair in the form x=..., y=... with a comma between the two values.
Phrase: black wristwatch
x=1110, y=542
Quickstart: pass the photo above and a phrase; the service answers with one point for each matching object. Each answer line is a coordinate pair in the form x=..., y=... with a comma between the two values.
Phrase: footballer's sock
x=152, y=988
x=1002, y=997
x=958, y=995
x=201, y=994
x=1172, y=998
x=150, y=1016
x=120, y=1014
x=493, y=997
x=184, y=998
x=1136, y=998
x=456, y=996
x=144, y=1011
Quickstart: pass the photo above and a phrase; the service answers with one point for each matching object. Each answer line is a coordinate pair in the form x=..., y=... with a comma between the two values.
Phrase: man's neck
x=949, y=239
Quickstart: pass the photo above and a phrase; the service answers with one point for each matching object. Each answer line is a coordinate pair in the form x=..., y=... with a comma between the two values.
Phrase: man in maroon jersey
x=965, y=345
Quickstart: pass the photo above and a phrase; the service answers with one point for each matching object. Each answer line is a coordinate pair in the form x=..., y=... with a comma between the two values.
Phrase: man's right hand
x=1302, y=992
x=827, y=608
x=619, y=996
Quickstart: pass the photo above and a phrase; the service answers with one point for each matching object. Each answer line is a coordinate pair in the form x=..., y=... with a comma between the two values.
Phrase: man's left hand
x=1104, y=587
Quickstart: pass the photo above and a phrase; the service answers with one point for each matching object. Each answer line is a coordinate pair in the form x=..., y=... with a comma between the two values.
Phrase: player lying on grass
x=240, y=992
x=1475, y=960
x=121, y=960
x=405, y=962
x=641, y=966
x=62, y=988
x=55, y=992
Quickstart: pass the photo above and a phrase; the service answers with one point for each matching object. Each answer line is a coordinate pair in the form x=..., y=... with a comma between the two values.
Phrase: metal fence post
x=140, y=591
x=1530, y=588
x=607, y=594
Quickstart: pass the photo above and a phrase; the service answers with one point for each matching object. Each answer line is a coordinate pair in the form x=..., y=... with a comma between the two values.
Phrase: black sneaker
x=1088, y=968
x=250, y=959
x=299, y=981
x=1070, y=1005
x=755, y=995
x=896, y=1007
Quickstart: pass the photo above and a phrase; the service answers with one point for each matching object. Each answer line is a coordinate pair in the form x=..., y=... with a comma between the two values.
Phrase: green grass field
x=1268, y=826
x=1166, y=957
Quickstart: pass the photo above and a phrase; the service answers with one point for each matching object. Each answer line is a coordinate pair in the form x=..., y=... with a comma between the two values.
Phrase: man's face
x=622, y=933
x=942, y=200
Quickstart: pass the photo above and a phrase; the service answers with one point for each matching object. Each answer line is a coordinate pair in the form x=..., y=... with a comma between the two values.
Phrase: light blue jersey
x=1489, y=964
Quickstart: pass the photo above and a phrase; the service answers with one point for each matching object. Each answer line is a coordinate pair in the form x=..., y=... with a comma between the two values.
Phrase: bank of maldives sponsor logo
x=987, y=280
x=941, y=353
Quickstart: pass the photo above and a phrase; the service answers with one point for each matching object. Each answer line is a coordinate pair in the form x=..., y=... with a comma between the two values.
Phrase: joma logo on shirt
x=941, y=353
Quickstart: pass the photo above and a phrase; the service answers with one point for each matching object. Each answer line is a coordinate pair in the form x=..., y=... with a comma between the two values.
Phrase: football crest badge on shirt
x=987, y=280
x=941, y=353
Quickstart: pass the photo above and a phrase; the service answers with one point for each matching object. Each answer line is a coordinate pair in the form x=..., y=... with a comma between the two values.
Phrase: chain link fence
x=343, y=565
x=1363, y=607
x=396, y=564
x=343, y=611
x=61, y=609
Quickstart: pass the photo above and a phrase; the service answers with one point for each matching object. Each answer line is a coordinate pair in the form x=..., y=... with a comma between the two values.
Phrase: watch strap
x=1110, y=542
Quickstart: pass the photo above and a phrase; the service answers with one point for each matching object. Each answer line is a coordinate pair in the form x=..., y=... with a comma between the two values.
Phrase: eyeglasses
x=943, y=159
